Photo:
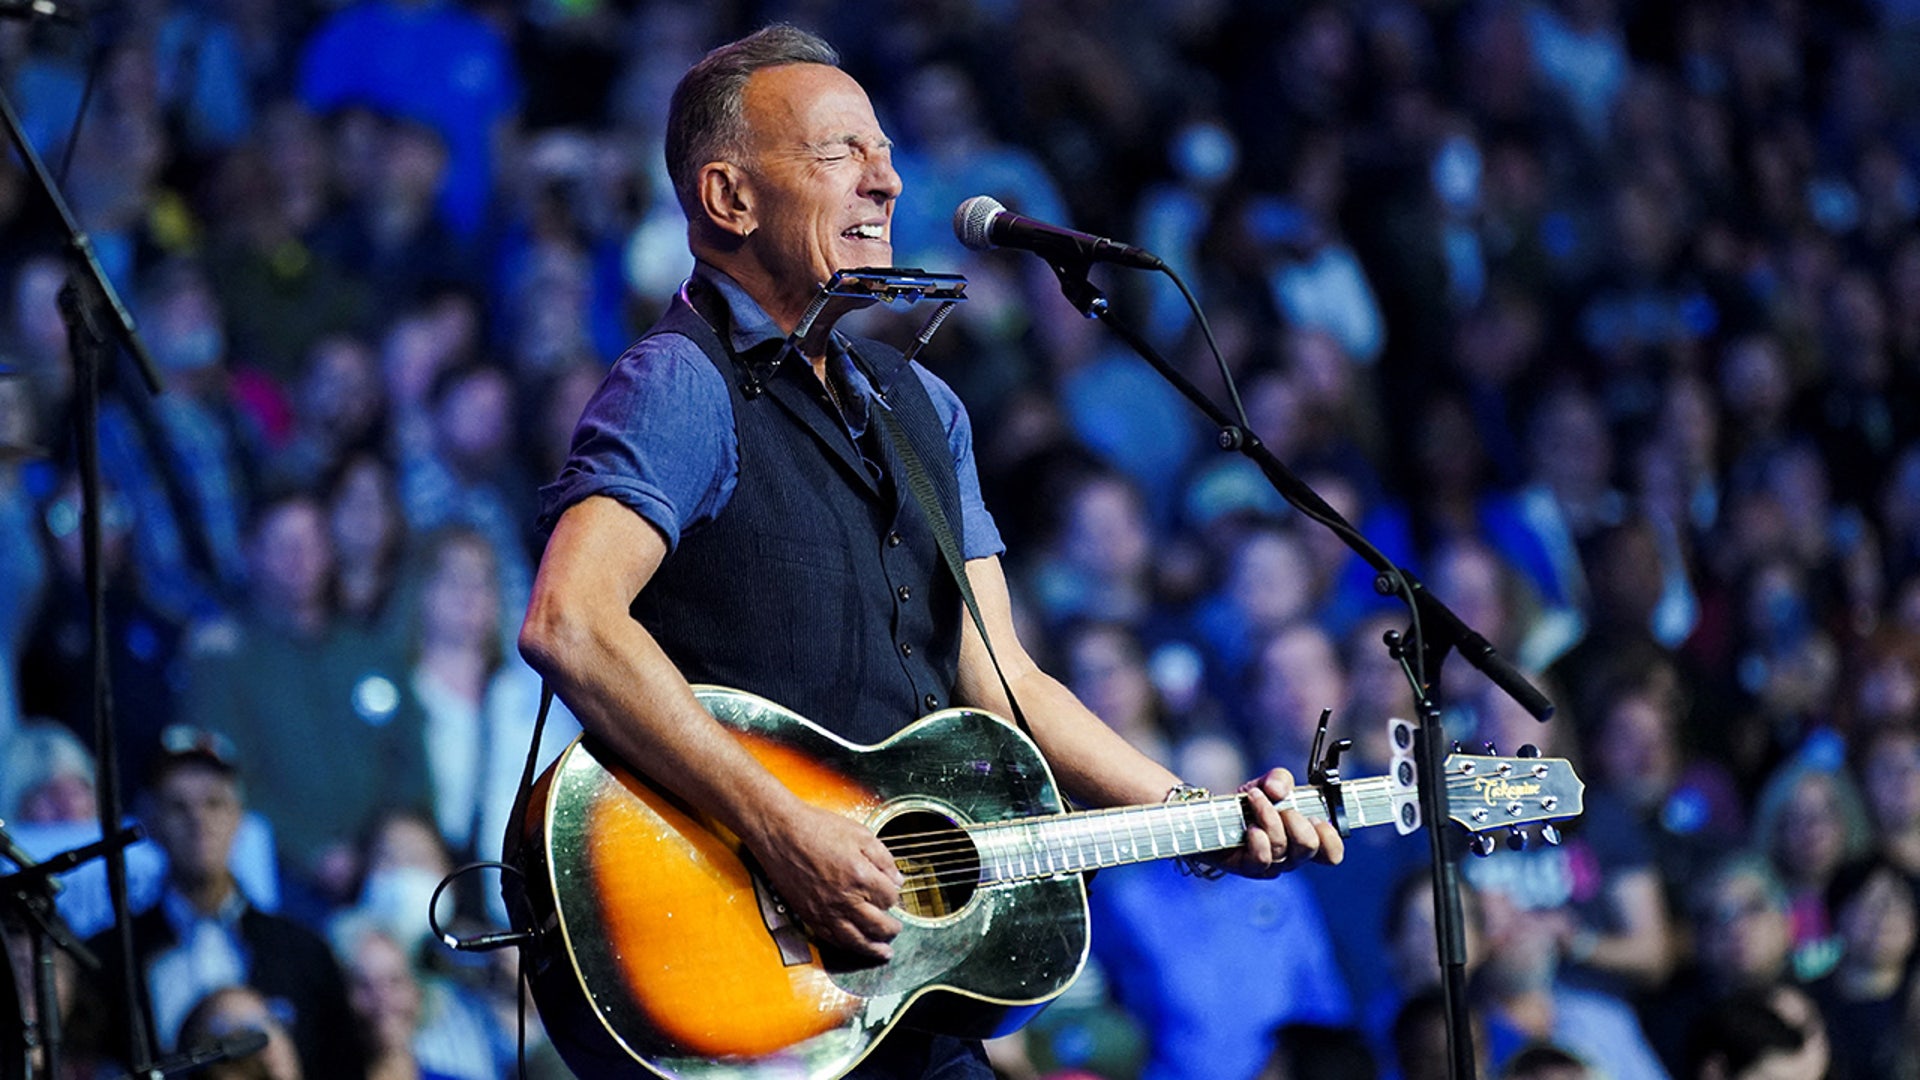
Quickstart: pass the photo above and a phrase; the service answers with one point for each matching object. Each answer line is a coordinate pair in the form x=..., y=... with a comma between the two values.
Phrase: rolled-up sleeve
x=657, y=437
x=981, y=537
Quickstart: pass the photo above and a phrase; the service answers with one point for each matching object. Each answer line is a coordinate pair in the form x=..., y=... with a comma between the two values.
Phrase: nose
x=881, y=183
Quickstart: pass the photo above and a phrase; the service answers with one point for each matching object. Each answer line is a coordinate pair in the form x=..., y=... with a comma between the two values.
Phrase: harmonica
x=890, y=283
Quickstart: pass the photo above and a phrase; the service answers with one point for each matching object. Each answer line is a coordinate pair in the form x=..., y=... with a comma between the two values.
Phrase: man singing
x=730, y=520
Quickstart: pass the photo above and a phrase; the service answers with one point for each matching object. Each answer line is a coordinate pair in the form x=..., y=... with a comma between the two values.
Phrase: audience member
x=236, y=1010
x=143, y=643
x=413, y=1029
x=1545, y=1061
x=369, y=536
x=1773, y=1032
x=1865, y=997
x=1890, y=779
x=1212, y=969
x=1527, y=1000
x=479, y=701
x=23, y=564
x=294, y=681
x=203, y=935
x=1742, y=941
x=1810, y=820
x=179, y=458
x=430, y=61
x=49, y=804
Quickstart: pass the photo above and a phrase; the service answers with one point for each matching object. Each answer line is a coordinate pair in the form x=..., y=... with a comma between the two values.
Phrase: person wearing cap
x=203, y=934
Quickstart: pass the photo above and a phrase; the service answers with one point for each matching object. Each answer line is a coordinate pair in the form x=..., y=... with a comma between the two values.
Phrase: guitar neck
x=1069, y=843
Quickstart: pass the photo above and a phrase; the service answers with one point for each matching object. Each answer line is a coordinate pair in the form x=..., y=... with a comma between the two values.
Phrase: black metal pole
x=47, y=986
x=88, y=346
x=1436, y=630
x=96, y=321
x=1430, y=749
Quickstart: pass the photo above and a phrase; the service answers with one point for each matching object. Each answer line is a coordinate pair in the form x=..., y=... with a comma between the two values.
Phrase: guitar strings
x=944, y=858
x=950, y=858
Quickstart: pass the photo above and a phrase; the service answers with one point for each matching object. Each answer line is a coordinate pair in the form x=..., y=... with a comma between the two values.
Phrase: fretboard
x=1069, y=843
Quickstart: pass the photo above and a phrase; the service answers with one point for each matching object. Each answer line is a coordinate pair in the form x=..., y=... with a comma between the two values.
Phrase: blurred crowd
x=1603, y=316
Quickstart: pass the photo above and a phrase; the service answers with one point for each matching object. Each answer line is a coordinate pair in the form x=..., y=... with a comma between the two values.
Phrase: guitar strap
x=510, y=845
x=921, y=486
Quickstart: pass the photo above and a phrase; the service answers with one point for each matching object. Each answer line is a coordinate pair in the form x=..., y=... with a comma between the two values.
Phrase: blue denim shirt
x=658, y=435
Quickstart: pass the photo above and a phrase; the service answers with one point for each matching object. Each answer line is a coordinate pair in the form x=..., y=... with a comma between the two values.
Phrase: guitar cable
x=488, y=943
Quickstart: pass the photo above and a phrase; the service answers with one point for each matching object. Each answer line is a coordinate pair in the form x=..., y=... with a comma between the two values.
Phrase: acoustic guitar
x=662, y=952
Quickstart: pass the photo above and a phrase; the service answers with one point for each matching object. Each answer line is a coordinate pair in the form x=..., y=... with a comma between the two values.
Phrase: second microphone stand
x=1434, y=631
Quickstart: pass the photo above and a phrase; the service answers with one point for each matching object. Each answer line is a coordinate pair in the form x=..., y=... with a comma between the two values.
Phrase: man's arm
x=578, y=635
x=1093, y=762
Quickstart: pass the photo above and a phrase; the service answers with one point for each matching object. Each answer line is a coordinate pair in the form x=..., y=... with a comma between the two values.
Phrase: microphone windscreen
x=972, y=220
x=243, y=1043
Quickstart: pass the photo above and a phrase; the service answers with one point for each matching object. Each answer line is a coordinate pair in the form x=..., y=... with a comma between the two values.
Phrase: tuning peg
x=1529, y=751
x=1491, y=752
x=1551, y=834
x=1483, y=844
x=1456, y=746
x=1516, y=839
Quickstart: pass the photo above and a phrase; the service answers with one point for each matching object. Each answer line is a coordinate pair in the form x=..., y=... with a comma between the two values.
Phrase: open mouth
x=866, y=232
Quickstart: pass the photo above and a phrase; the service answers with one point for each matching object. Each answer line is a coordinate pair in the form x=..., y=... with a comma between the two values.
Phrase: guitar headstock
x=1485, y=793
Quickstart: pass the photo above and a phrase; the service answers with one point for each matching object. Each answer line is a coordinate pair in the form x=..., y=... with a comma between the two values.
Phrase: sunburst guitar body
x=662, y=952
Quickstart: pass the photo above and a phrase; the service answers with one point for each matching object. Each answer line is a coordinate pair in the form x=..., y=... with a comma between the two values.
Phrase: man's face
x=196, y=815
x=821, y=175
x=1743, y=935
x=292, y=555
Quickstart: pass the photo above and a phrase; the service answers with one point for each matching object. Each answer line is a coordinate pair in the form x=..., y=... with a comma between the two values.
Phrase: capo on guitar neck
x=1323, y=772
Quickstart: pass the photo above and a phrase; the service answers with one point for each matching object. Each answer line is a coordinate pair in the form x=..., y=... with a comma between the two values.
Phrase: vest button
x=906, y=648
x=893, y=539
x=906, y=592
x=931, y=702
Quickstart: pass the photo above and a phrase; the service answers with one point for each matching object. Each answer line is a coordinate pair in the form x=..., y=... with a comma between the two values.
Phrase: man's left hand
x=1280, y=840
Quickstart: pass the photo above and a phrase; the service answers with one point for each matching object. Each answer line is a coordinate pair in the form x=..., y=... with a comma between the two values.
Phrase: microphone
x=242, y=1043
x=982, y=224
x=57, y=10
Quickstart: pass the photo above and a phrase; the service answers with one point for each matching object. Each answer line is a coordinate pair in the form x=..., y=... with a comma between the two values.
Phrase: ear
x=726, y=195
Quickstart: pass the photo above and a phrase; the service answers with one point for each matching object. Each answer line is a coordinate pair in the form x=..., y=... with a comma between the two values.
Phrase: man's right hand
x=837, y=877
x=831, y=870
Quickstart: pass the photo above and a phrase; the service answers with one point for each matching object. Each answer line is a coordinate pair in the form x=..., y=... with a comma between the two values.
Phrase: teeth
x=866, y=232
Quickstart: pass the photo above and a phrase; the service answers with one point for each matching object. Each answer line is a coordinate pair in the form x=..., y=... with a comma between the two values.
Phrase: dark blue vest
x=819, y=586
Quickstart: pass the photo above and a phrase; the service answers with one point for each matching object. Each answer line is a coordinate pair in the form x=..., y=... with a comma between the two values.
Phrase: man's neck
x=783, y=310
x=783, y=303
x=207, y=896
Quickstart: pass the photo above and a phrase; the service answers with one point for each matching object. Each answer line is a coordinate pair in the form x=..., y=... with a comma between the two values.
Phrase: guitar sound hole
x=941, y=865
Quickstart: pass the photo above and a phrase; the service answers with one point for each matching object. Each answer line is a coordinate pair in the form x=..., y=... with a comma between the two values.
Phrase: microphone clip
x=1086, y=297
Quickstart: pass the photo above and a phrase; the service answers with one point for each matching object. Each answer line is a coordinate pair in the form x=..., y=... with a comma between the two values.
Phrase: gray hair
x=1741, y=863
x=707, y=119
x=40, y=751
x=1770, y=806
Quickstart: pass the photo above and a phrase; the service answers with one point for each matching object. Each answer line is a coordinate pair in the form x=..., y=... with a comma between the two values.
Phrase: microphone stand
x=1434, y=631
x=28, y=894
x=96, y=320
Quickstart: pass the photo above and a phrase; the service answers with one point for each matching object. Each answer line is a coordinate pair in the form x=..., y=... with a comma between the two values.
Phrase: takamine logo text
x=1493, y=789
